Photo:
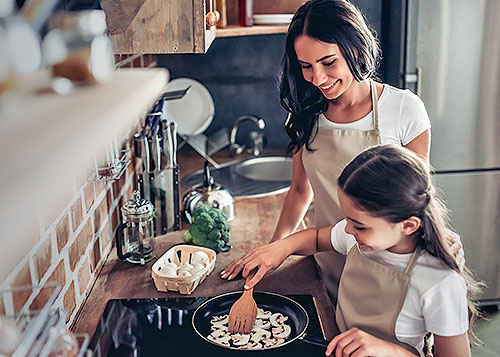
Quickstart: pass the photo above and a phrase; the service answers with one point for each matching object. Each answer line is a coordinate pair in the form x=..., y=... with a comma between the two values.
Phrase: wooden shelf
x=235, y=30
x=49, y=140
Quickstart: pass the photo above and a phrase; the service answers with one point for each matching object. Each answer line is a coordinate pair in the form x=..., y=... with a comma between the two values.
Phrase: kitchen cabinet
x=181, y=26
x=159, y=26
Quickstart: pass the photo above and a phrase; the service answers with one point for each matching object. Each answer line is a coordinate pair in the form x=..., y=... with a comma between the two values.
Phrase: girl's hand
x=358, y=343
x=265, y=259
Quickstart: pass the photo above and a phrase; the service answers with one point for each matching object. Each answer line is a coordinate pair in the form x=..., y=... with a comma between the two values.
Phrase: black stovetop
x=162, y=327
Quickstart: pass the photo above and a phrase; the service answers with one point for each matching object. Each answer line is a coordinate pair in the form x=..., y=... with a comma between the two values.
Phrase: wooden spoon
x=243, y=312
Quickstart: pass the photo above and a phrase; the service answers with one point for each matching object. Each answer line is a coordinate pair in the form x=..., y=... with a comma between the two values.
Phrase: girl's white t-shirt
x=436, y=301
x=402, y=117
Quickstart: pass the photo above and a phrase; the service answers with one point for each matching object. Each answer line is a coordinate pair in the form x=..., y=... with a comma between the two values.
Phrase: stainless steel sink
x=271, y=168
x=252, y=177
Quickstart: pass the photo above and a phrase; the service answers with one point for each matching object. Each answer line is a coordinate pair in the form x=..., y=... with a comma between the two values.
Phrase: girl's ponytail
x=434, y=232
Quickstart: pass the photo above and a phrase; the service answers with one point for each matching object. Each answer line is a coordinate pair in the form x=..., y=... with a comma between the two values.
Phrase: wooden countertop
x=254, y=223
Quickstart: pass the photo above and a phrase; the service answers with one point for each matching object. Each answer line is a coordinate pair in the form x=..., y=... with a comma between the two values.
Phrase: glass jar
x=78, y=48
x=245, y=12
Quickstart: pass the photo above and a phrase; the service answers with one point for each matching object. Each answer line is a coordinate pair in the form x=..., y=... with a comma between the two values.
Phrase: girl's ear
x=410, y=225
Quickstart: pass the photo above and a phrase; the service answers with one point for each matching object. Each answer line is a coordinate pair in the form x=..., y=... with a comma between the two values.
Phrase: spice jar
x=84, y=51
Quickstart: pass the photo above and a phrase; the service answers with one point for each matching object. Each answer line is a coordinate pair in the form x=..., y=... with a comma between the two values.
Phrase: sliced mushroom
x=240, y=339
x=282, y=331
x=219, y=327
x=263, y=314
x=253, y=346
x=270, y=342
x=269, y=330
x=277, y=319
x=219, y=320
x=260, y=334
x=219, y=333
x=264, y=324
x=224, y=340
x=280, y=341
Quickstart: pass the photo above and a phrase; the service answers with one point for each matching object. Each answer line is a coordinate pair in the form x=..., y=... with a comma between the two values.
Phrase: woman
x=336, y=111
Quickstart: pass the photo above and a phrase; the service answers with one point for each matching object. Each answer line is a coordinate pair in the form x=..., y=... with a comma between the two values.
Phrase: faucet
x=257, y=138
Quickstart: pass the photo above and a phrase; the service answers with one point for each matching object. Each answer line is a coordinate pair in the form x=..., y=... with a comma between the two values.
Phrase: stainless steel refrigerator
x=450, y=57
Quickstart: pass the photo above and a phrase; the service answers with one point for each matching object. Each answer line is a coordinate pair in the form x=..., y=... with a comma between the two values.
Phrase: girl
x=400, y=280
x=336, y=111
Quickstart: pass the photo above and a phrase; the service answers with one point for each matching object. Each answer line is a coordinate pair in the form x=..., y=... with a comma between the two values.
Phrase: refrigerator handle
x=415, y=78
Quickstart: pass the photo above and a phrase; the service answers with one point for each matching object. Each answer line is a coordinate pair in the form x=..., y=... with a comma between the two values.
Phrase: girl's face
x=374, y=233
x=323, y=65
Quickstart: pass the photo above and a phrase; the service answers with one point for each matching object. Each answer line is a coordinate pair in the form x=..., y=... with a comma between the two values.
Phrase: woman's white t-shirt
x=436, y=301
x=402, y=117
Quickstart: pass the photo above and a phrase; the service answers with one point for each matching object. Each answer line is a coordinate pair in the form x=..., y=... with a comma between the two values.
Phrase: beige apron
x=335, y=148
x=384, y=288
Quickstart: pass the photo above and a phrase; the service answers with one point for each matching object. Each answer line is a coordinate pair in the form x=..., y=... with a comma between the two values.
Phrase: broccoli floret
x=209, y=228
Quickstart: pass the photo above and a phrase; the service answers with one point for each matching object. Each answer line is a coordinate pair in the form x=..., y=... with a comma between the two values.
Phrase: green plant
x=209, y=228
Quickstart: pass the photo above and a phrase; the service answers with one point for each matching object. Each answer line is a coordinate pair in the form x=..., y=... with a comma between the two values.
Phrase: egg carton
x=178, y=255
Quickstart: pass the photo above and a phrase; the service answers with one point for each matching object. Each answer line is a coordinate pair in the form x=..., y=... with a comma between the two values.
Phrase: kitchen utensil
x=136, y=231
x=243, y=312
x=177, y=255
x=220, y=305
x=167, y=178
x=176, y=94
x=209, y=193
x=194, y=112
x=175, y=177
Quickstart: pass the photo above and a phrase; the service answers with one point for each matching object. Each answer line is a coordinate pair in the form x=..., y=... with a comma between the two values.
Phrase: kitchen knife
x=150, y=174
x=159, y=186
x=168, y=183
x=145, y=157
x=175, y=177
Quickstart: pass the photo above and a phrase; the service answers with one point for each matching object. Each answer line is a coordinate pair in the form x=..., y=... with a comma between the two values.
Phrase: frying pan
x=220, y=305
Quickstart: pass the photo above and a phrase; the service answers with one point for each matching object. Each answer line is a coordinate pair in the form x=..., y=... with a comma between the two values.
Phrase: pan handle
x=314, y=340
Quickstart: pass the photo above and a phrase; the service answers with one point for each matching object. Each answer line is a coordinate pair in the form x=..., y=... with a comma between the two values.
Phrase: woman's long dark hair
x=331, y=21
x=393, y=183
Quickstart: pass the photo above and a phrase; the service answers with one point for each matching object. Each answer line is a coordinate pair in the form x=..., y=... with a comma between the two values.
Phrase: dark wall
x=241, y=72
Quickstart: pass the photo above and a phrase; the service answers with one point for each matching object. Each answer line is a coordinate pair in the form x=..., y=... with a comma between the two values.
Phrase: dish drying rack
x=40, y=329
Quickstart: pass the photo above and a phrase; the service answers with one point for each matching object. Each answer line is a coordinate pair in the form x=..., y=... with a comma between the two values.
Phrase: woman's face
x=374, y=233
x=323, y=65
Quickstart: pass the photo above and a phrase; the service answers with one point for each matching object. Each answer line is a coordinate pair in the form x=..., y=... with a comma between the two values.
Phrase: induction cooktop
x=162, y=327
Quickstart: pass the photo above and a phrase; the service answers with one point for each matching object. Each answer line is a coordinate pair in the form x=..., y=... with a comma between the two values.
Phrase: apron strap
x=413, y=260
x=373, y=90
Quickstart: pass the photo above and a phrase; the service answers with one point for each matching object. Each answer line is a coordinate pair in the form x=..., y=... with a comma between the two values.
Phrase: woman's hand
x=358, y=343
x=265, y=259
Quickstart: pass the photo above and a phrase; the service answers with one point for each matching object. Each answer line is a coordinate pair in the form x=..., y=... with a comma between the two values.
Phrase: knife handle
x=173, y=134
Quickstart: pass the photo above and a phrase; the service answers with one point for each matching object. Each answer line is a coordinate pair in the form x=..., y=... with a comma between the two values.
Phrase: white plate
x=272, y=19
x=194, y=112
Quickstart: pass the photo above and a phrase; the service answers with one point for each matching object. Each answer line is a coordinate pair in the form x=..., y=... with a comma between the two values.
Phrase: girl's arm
x=270, y=256
x=448, y=346
x=297, y=200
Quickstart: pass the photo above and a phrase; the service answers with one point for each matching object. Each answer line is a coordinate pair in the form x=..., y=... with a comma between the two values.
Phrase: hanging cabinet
x=160, y=26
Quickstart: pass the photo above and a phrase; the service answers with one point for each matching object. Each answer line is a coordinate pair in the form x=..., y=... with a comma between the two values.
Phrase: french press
x=135, y=234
